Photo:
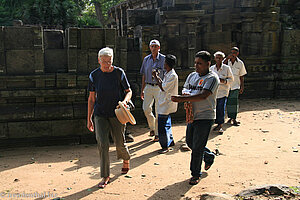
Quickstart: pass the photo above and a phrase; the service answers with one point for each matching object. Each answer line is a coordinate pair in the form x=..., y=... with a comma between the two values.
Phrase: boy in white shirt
x=168, y=87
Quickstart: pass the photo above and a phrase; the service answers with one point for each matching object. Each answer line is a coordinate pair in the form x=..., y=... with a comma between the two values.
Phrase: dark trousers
x=196, y=139
x=221, y=104
x=233, y=103
x=208, y=156
x=165, y=130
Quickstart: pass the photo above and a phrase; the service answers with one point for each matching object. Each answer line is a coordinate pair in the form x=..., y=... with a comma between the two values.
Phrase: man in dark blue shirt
x=107, y=85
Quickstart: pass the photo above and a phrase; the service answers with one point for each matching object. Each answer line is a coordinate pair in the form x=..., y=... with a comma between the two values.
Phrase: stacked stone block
x=288, y=71
x=43, y=82
x=264, y=30
x=44, y=73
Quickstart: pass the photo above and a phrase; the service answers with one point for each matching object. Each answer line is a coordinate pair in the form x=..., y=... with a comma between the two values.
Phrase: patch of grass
x=295, y=189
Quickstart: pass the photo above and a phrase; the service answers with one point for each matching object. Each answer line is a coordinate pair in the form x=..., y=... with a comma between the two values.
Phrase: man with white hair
x=226, y=78
x=150, y=90
x=107, y=85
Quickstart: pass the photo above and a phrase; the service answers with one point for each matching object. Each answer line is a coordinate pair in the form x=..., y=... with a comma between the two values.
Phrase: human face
x=154, y=49
x=234, y=53
x=202, y=66
x=219, y=59
x=105, y=62
x=166, y=67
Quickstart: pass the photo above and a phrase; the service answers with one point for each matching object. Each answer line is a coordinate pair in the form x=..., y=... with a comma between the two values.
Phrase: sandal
x=125, y=169
x=104, y=182
x=206, y=167
x=221, y=131
x=163, y=150
x=194, y=180
x=151, y=133
x=156, y=139
x=216, y=128
x=235, y=123
x=229, y=121
x=184, y=147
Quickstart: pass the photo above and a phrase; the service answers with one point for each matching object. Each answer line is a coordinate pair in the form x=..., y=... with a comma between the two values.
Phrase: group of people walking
x=205, y=93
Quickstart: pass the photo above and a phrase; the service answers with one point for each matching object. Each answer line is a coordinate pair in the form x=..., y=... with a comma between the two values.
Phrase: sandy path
x=260, y=151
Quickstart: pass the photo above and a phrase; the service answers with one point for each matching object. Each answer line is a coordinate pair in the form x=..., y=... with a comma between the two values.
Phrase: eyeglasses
x=106, y=62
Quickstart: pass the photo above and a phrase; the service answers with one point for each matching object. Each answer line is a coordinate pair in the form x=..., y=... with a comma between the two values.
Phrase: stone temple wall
x=44, y=73
x=266, y=31
x=43, y=83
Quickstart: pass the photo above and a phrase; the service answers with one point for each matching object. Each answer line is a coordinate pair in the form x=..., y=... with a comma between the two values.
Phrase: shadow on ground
x=174, y=191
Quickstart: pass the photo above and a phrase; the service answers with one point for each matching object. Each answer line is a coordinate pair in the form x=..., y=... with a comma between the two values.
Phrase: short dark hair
x=235, y=49
x=205, y=55
x=170, y=60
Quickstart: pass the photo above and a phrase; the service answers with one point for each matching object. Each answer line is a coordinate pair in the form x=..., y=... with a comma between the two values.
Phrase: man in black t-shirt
x=106, y=89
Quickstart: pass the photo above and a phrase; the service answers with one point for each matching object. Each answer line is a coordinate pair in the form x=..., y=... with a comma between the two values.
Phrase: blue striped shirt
x=149, y=64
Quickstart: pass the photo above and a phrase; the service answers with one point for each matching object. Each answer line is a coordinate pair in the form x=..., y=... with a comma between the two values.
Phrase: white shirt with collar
x=170, y=86
x=224, y=73
x=238, y=69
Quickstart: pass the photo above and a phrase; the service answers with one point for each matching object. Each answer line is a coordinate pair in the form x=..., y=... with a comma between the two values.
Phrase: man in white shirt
x=226, y=78
x=237, y=86
x=168, y=87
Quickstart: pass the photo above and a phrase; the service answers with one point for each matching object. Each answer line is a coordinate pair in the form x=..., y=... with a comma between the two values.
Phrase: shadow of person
x=140, y=145
x=78, y=195
x=115, y=163
x=141, y=130
x=226, y=126
x=84, y=161
x=134, y=162
x=175, y=191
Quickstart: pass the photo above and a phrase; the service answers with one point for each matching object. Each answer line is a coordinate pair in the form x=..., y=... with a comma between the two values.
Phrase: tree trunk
x=100, y=17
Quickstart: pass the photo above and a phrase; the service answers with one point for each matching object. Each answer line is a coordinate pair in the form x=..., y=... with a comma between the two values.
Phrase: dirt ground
x=262, y=150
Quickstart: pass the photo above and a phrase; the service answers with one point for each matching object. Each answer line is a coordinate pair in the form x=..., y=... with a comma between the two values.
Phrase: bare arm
x=127, y=96
x=193, y=98
x=91, y=103
x=242, y=84
x=143, y=87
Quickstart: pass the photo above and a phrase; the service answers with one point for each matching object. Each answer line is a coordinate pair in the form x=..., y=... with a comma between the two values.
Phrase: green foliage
x=62, y=13
x=88, y=17
x=51, y=12
x=41, y=12
x=5, y=19
x=105, y=6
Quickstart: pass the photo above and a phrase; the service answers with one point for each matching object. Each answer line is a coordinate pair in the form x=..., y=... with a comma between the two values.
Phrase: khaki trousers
x=103, y=127
x=150, y=95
